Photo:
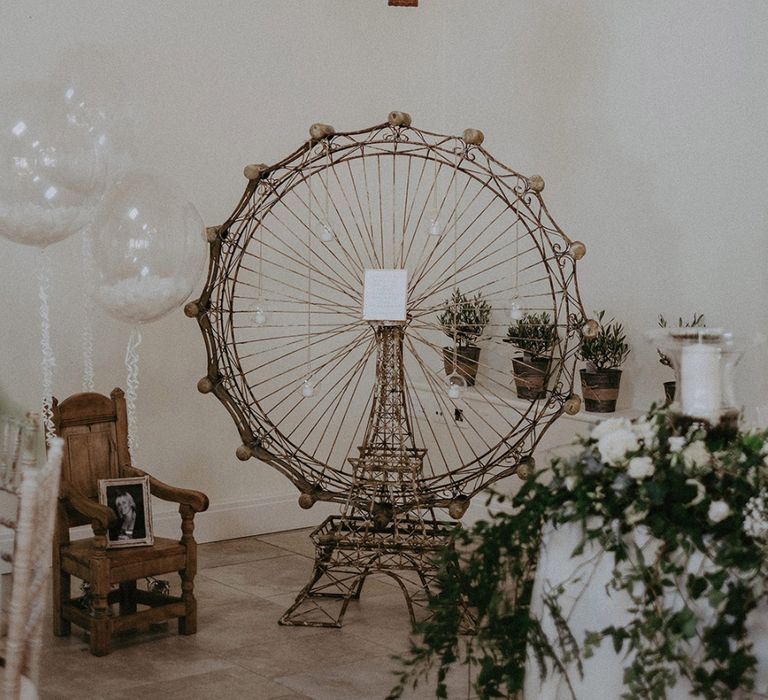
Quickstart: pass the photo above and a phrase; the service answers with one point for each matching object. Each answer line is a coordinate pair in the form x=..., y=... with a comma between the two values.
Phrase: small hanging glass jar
x=308, y=388
x=456, y=385
x=516, y=311
x=257, y=316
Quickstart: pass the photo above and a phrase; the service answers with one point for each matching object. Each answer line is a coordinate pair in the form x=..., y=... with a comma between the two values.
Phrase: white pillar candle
x=700, y=393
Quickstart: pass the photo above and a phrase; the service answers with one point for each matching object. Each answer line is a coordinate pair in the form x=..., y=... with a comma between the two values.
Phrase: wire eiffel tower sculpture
x=386, y=528
x=359, y=412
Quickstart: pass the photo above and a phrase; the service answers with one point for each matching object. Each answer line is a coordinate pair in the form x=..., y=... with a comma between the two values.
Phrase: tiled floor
x=239, y=651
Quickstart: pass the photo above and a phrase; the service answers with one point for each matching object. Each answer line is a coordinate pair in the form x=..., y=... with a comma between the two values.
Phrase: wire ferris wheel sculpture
x=374, y=412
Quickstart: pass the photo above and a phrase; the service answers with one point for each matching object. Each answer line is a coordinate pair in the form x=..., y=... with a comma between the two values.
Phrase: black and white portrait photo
x=129, y=499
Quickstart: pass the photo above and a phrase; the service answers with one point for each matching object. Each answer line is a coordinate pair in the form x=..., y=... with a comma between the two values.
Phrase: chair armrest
x=102, y=517
x=196, y=500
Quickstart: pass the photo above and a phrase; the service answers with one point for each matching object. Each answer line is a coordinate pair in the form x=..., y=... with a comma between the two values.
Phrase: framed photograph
x=130, y=499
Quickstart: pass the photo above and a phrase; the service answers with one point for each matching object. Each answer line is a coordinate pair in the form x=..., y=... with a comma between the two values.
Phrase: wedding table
x=588, y=604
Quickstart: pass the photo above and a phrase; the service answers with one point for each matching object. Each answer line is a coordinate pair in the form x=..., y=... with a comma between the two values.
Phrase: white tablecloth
x=588, y=606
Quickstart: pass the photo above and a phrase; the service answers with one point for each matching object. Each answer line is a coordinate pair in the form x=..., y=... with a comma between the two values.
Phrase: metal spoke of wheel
x=291, y=357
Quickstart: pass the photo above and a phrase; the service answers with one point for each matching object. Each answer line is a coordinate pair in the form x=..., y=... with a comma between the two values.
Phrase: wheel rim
x=378, y=191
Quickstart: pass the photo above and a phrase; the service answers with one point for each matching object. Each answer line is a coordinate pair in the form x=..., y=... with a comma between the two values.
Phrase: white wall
x=647, y=121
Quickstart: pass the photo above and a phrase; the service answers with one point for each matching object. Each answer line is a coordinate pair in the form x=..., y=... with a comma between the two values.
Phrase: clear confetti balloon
x=98, y=75
x=53, y=163
x=149, y=247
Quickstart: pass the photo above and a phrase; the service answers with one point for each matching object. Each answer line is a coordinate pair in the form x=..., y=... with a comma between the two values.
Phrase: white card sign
x=384, y=295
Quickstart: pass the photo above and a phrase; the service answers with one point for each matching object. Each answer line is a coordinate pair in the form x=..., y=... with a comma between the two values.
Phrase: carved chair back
x=94, y=428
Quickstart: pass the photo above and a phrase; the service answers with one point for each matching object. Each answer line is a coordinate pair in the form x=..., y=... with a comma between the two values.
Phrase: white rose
x=700, y=491
x=755, y=523
x=570, y=482
x=608, y=426
x=641, y=467
x=676, y=443
x=614, y=446
x=718, y=510
x=645, y=430
x=696, y=455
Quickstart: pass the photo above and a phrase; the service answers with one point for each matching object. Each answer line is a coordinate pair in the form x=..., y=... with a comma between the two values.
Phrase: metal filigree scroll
x=361, y=412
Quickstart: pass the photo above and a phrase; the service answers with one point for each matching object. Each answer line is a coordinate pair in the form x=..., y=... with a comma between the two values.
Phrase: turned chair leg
x=188, y=623
x=101, y=623
x=62, y=587
x=127, y=597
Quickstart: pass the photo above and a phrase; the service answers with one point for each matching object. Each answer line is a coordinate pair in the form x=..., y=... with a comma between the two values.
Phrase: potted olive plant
x=696, y=322
x=534, y=334
x=604, y=355
x=464, y=320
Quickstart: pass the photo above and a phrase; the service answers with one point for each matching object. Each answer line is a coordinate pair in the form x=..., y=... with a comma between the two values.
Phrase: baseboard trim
x=230, y=520
x=238, y=518
x=259, y=516
x=244, y=518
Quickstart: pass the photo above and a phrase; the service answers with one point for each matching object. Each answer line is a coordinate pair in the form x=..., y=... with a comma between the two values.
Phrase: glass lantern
x=704, y=360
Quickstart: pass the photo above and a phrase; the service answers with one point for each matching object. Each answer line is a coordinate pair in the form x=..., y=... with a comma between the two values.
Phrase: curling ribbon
x=132, y=386
x=87, y=328
x=48, y=361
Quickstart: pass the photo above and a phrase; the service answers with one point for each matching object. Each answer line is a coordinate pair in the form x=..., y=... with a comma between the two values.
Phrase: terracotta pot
x=531, y=377
x=467, y=359
x=600, y=389
x=669, y=392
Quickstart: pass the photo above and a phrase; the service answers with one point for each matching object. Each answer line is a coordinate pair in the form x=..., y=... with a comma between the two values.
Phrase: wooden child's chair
x=95, y=431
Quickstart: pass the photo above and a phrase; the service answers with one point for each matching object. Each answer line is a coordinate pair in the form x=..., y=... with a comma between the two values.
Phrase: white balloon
x=149, y=247
x=52, y=164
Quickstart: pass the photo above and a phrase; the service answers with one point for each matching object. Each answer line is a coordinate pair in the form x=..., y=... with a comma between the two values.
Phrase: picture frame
x=129, y=498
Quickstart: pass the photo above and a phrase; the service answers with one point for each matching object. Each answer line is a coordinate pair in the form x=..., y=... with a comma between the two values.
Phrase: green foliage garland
x=702, y=495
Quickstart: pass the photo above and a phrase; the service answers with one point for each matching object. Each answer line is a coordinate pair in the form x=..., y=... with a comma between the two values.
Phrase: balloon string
x=132, y=387
x=87, y=329
x=48, y=361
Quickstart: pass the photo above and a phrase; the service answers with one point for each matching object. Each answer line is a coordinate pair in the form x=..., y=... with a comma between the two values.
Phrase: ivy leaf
x=696, y=586
x=686, y=621
x=493, y=572
x=717, y=579
x=655, y=491
x=618, y=639
x=716, y=597
x=752, y=442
